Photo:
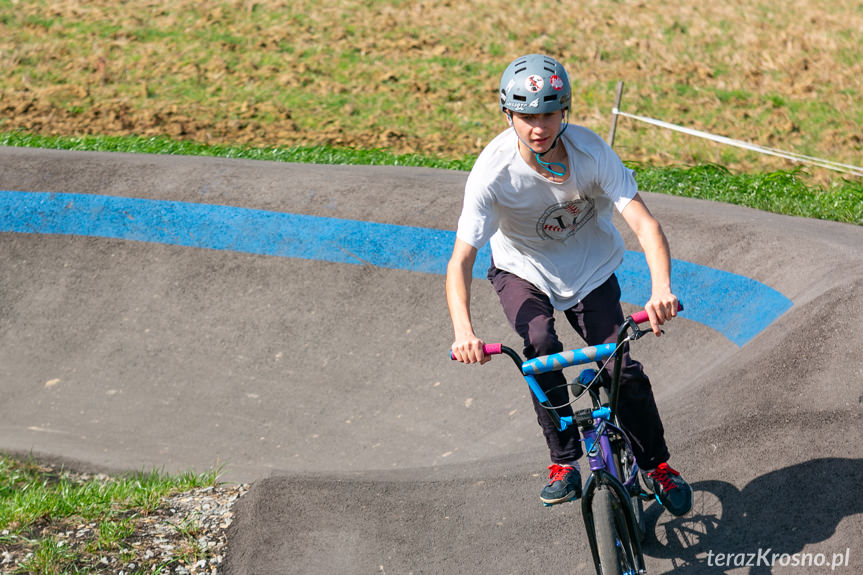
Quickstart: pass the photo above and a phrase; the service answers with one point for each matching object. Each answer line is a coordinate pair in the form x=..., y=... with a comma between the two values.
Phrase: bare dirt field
x=421, y=76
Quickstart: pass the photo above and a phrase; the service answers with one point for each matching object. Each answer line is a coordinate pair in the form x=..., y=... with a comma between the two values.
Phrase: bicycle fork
x=599, y=455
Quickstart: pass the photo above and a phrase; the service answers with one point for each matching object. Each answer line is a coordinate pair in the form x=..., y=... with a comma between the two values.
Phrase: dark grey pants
x=597, y=319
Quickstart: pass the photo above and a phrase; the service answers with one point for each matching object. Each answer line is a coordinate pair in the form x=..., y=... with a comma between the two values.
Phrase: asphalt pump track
x=287, y=323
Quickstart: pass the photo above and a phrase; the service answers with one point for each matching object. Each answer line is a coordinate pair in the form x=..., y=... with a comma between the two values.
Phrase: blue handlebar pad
x=567, y=421
x=558, y=361
x=602, y=413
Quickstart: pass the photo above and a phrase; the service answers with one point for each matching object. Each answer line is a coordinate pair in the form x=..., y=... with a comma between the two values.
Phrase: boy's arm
x=466, y=347
x=662, y=305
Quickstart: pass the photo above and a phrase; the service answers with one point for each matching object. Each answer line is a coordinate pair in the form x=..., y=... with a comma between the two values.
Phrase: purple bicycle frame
x=600, y=456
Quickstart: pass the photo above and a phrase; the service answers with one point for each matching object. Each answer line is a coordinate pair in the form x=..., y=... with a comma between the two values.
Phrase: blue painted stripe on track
x=736, y=306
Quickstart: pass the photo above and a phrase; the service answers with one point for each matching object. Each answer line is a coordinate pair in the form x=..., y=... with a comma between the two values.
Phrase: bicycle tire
x=612, y=538
x=623, y=468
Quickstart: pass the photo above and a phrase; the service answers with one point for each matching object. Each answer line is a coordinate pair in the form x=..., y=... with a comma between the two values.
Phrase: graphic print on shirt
x=561, y=221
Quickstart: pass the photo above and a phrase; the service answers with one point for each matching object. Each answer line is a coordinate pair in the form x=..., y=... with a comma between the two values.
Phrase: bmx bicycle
x=612, y=497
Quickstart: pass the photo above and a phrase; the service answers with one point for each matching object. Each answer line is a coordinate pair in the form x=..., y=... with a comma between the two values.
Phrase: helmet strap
x=548, y=165
x=562, y=170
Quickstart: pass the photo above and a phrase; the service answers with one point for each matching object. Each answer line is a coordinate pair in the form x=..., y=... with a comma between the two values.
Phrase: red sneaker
x=670, y=489
x=564, y=484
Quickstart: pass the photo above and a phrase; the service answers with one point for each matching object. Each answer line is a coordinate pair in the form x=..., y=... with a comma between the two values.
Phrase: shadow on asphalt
x=770, y=523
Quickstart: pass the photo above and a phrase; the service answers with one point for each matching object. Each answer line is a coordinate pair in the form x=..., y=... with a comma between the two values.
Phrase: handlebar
x=638, y=317
x=557, y=361
x=497, y=348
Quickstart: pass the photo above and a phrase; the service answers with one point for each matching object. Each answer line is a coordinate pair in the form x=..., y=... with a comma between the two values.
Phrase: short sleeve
x=616, y=180
x=479, y=216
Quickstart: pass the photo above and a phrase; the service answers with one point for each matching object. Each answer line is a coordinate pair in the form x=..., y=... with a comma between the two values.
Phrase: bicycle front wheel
x=613, y=544
x=624, y=464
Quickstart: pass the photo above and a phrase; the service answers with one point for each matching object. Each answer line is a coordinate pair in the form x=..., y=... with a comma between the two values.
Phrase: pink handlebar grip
x=487, y=349
x=491, y=349
x=641, y=316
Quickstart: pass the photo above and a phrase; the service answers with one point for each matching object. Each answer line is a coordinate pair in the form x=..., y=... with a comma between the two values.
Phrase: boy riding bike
x=542, y=193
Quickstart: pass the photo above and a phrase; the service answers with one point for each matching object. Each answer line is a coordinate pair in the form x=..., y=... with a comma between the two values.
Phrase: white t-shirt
x=558, y=236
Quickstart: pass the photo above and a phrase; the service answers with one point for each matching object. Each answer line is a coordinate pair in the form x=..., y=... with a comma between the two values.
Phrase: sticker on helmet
x=534, y=83
x=556, y=82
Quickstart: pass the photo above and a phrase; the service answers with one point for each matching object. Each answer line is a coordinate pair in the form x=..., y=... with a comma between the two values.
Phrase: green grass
x=298, y=154
x=783, y=192
x=36, y=502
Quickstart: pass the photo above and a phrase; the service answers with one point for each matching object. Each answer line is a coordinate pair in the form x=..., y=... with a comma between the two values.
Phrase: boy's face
x=537, y=130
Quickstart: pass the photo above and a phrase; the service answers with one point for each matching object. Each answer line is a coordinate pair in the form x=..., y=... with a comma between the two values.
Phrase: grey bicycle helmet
x=535, y=84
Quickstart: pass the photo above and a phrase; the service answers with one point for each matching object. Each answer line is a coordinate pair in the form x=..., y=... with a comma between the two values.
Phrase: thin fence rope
x=793, y=156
